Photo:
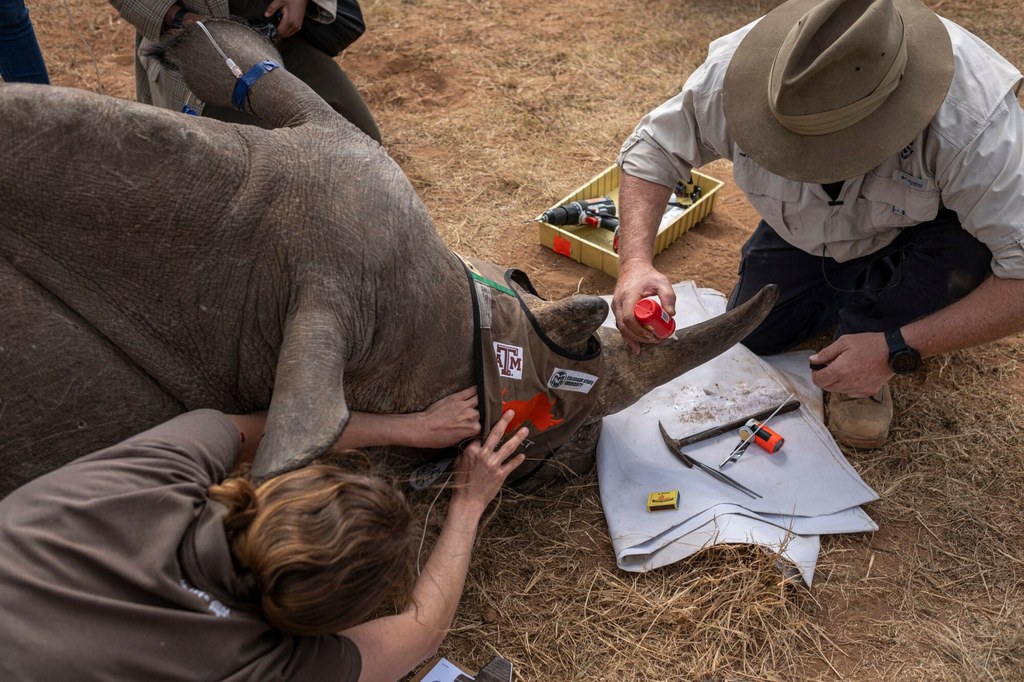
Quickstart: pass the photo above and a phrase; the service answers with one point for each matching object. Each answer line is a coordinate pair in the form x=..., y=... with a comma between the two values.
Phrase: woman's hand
x=391, y=646
x=480, y=469
x=449, y=421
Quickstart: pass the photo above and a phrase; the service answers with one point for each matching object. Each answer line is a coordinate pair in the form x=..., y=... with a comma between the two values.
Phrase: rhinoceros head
x=560, y=370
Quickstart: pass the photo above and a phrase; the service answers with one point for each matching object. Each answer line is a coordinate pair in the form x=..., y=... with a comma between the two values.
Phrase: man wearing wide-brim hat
x=883, y=148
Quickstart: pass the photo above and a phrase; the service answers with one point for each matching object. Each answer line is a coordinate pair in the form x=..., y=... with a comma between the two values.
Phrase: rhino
x=153, y=263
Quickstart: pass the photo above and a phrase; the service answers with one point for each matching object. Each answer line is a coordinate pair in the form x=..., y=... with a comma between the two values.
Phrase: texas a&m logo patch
x=510, y=360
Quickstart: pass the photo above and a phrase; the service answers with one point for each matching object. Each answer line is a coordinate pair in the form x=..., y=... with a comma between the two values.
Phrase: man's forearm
x=992, y=311
x=641, y=207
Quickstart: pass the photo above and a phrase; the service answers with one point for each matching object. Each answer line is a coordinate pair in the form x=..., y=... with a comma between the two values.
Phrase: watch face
x=904, y=362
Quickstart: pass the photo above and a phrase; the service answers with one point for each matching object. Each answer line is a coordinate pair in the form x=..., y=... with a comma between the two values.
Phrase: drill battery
x=598, y=212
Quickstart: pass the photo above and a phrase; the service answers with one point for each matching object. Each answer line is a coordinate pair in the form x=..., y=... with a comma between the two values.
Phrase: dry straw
x=497, y=108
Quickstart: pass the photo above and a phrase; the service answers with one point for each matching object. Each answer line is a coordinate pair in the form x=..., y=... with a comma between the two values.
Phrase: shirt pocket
x=768, y=193
x=900, y=200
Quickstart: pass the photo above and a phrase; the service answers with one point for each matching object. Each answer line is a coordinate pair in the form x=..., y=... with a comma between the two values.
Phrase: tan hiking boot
x=860, y=422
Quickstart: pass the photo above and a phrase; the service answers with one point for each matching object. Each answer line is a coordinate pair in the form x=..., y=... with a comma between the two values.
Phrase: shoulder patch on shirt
x=568, y=380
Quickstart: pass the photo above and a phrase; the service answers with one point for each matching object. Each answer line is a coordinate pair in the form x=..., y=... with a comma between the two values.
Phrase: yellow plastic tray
x=593, y=246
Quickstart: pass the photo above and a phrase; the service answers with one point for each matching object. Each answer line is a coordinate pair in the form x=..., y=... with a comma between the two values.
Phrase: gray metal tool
x=690, y=463
x=783, y=408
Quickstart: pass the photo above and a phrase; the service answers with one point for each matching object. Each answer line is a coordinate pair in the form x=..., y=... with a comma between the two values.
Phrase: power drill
x=598, y=212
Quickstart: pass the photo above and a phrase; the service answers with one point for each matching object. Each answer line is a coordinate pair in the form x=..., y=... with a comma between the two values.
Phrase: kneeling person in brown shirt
x=148, y=560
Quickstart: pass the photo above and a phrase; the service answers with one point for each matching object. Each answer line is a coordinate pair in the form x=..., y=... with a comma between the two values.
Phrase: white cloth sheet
x=808, y=488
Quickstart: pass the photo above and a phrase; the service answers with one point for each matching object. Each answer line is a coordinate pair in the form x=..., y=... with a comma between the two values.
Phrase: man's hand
x=638, y=279
x=481, y=468
x=857, y=364
x=188, y=18
x=449, y=421
x=292, y=13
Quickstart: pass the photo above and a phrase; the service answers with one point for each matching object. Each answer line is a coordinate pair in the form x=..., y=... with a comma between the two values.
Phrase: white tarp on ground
x=808, y=488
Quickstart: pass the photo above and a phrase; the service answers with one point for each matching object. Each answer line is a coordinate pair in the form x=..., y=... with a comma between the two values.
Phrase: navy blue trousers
x=925, y=269
x=20, y=58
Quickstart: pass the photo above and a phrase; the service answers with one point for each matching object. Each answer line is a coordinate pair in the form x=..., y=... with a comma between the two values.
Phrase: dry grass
x=496, y=110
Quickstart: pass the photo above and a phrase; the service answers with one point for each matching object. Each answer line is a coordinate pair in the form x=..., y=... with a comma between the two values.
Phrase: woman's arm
x=449, y=421
x=390, y=647
x=250, y=433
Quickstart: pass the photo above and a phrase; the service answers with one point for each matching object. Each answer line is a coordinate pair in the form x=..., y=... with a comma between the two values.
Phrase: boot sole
x=861, y=443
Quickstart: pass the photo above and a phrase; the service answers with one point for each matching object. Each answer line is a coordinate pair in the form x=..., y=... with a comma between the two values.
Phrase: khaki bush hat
x=825, y=90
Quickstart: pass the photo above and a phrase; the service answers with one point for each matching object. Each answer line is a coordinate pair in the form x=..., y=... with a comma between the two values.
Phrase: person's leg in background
x=807, y=306
x=21, y=61
x=326, y=77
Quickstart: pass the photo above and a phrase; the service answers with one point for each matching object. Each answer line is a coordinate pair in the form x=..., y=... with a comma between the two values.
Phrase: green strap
x=491, y=283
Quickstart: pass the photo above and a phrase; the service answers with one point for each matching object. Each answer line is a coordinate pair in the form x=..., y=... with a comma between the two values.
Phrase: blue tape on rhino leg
x=245, y=83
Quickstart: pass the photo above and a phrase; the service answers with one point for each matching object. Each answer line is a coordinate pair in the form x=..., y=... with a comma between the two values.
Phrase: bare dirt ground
x=497, y=109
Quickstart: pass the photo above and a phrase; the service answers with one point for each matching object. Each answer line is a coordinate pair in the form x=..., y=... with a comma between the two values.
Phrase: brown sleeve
x=331, y=658
x=202, y=439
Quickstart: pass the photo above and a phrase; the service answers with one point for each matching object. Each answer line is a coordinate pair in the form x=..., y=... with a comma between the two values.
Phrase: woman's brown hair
x=326, y=546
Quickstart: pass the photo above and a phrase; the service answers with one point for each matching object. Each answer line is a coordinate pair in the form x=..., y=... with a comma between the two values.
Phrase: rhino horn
x=629, y=376
x=569, y=323
x=308, y=410
x=277, y=98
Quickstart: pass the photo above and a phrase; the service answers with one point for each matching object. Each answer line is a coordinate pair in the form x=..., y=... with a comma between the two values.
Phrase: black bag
x=330, y=38
x=334, y=37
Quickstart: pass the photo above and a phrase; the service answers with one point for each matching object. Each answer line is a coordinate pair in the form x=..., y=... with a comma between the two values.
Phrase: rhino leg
x=60, y=378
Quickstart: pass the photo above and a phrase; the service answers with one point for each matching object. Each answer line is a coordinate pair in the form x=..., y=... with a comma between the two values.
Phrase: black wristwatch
x=178, y=21
x=902, y=358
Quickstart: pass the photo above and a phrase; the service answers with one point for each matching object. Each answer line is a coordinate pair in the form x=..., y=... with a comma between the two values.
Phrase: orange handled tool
x=770, y=441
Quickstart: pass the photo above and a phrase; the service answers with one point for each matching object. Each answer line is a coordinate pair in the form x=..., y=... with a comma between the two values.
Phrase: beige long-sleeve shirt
x=969, y=159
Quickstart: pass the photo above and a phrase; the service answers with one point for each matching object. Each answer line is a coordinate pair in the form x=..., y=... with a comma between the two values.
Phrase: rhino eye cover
x=518, y=367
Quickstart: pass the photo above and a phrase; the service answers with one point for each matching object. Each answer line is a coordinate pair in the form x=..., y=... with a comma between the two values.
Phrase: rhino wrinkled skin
x=153, y=263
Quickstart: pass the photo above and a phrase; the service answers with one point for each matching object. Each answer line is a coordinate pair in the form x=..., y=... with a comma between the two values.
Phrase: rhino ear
x=569, y=323
x=198, y=53
x=307, y=409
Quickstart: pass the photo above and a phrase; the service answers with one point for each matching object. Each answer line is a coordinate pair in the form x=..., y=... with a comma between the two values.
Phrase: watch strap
x=902, y=358
x=894, y=340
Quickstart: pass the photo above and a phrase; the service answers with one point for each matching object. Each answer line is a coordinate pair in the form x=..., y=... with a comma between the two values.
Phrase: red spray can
x=649, y=314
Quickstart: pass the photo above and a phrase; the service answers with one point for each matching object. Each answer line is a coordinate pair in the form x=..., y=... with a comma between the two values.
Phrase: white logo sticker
x=568, y=380
x=510, y=360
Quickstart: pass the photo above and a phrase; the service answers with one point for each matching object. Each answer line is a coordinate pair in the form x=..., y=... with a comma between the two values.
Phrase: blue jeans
x=20, y=58
x=926, y=268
